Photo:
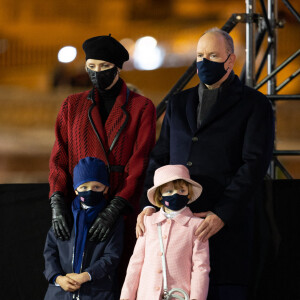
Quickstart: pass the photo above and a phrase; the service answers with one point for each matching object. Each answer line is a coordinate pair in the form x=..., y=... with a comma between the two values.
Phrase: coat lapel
x=115, y=122
x=184, y=217
x=191, y=109
x=117, y=118
x=228, y=97
x=96, y=119
x=158, y=217
x=181, y=218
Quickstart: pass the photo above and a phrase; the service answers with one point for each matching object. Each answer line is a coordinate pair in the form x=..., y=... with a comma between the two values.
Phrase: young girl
x=187, y=259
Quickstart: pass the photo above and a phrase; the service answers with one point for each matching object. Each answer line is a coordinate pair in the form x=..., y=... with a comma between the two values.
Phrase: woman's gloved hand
x=106, y=219
x=61, y=219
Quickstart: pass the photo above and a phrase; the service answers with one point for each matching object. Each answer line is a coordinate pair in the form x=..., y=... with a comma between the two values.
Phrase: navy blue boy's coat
x=228, y=155
x=100, y=261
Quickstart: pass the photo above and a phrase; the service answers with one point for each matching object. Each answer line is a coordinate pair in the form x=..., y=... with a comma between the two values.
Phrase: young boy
x=78, y=268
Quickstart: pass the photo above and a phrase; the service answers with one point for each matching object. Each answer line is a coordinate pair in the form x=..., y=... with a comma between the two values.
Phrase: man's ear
x=76, y=192
x=232, y=59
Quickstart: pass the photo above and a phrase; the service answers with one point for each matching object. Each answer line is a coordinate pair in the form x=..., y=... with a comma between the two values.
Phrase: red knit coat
x=129, y=131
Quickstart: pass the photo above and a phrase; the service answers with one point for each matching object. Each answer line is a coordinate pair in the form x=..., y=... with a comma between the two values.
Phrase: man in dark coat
x=223, y=132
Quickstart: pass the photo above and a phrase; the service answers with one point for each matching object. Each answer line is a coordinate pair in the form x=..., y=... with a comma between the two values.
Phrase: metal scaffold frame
x=266, y=23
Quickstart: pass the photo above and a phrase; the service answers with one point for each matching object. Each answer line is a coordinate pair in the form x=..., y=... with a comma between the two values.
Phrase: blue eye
x=168, y=192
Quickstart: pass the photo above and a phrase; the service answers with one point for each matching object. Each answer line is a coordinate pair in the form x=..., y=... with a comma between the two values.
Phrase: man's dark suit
x=228, y=155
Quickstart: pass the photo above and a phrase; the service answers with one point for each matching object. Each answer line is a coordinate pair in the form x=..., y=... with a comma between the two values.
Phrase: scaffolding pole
x=250, y=44
x=272, y=55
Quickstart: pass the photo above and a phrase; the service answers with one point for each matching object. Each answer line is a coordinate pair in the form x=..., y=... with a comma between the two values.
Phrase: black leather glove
x=61, y=219
x=106, y=219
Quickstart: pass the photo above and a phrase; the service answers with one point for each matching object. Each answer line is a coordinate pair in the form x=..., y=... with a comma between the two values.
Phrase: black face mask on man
x=211, y=72
x=103, y=79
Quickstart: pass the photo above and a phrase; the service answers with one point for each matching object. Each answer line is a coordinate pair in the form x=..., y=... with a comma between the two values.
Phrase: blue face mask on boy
x=175, y=202
x=91, y=198
x=211, y=72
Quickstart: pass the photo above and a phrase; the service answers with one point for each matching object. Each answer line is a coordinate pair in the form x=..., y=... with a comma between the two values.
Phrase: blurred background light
x=147, y=54
x=128, y=44
x=67, y=54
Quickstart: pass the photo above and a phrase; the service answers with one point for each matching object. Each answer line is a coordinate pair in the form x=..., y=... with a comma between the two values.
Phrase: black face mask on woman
x=175, y=202
x=103, y=79
x=211, y=72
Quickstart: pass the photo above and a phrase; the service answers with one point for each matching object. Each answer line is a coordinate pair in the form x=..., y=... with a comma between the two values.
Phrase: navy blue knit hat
x=105, y=48
x=90, y=169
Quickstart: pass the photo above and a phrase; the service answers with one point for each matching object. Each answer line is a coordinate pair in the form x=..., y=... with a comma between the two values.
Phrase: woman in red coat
x=108, y=122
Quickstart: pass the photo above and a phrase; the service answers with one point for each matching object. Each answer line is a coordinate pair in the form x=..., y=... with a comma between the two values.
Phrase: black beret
x=106, y=48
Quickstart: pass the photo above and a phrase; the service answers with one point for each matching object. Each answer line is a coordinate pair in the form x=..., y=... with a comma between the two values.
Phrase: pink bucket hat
x=169, y=173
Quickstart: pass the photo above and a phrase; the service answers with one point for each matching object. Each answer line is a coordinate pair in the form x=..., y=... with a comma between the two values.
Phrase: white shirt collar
x=172, y=214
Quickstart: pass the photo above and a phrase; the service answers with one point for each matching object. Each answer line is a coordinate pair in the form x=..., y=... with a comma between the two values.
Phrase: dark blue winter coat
x=228, y=155
x=100, y=261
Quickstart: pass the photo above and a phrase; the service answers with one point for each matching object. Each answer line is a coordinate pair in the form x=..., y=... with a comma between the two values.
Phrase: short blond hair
x=177, y=183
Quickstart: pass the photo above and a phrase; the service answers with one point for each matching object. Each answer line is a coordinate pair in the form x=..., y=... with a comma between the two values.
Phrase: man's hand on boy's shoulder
x=67, y=284
x=140, y=226
x=210, y=226
x=79, y=278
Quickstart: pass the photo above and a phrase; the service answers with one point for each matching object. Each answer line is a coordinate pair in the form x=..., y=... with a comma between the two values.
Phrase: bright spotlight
x=67, y=54
x=147, y=41
x=147, y=55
